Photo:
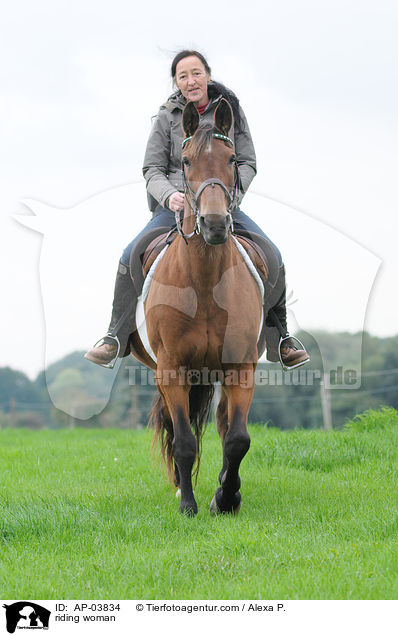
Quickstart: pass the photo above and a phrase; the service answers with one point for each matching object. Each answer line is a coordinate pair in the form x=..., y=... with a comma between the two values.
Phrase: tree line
x=72, y=386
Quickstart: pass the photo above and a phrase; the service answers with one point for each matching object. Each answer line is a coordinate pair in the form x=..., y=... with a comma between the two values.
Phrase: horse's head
x=210, y=172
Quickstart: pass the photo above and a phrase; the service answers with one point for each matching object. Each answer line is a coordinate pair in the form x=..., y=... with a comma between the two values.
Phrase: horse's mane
x=201, y=138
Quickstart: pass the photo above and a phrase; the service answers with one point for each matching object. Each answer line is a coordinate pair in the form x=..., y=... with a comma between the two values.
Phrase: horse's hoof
x=232, y=508
x=214, y=510
x=235, y=511
x=178, y=493
x=189, y=510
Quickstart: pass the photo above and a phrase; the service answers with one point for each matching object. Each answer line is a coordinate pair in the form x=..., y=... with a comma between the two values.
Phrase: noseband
x=194, y=197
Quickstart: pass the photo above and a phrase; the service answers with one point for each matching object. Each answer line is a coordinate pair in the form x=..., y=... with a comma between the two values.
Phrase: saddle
x=265, y=258
x=260, y=251
x=145, y=251
x=156, y=246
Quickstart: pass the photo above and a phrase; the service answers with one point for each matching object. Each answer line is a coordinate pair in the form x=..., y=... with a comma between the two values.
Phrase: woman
x=162, y=171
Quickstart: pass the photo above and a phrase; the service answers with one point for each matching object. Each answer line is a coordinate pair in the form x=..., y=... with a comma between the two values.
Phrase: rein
x=193, y=197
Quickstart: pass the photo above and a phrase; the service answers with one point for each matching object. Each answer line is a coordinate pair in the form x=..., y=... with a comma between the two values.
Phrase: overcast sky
x=79, y=82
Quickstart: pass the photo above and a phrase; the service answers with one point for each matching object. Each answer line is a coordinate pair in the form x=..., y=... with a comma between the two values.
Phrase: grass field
x=87, y=514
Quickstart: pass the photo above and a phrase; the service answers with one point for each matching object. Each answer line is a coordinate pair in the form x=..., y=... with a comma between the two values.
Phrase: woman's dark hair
x=214, y=88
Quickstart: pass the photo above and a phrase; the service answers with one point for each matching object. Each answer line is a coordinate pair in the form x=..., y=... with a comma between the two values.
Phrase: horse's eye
x=186, y=162
x=232, y=159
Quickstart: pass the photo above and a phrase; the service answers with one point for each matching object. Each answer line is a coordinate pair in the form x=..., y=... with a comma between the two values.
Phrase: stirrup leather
x=295, y=366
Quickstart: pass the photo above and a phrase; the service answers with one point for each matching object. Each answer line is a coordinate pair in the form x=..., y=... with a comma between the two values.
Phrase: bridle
x=194, y=197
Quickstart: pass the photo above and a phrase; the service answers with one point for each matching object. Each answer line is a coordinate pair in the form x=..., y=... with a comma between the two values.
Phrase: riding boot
x=280, y=345
x=122, y=325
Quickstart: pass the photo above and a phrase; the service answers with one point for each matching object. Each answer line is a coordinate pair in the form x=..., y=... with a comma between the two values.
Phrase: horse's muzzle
x=215, y=228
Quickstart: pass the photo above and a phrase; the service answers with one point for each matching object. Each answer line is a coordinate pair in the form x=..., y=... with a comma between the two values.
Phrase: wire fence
x=139, y=398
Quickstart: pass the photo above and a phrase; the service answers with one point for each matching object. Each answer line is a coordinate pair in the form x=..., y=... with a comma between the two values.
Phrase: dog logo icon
x=26, y=615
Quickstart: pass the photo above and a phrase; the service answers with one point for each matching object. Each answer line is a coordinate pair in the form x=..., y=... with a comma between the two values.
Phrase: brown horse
x=203, y=314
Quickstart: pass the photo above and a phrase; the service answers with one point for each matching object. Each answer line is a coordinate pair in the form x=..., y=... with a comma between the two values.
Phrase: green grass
x=319, y=517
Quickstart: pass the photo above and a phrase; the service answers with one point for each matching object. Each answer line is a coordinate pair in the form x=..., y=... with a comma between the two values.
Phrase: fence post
x=326, y=405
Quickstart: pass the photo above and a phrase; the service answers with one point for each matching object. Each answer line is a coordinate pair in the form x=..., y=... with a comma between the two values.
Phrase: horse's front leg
x=222, y=426
x=184, y=442
x=236, y=443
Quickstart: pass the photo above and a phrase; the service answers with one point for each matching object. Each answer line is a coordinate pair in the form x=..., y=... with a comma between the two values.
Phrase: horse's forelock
x=200, y=140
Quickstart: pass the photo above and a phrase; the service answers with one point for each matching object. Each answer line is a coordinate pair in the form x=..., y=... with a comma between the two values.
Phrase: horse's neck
x=205, y=263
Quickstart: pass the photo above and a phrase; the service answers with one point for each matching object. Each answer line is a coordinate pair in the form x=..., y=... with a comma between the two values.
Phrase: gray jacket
x=162, y=161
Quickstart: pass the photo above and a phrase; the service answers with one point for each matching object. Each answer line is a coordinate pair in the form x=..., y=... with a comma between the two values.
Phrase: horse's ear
x=190, y=119
x=223, y=116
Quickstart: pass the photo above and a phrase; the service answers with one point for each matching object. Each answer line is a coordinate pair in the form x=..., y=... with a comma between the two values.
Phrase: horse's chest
x=223, y=336
x=205, y=327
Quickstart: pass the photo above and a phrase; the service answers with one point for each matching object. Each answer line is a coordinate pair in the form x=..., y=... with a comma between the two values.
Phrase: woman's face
x=191, y=78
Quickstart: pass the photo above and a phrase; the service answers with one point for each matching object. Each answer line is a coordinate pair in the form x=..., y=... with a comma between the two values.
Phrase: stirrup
x=111, y=364
x=295, y=366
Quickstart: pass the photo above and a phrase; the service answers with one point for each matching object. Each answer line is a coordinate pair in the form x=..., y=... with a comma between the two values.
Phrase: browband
x=216, y=135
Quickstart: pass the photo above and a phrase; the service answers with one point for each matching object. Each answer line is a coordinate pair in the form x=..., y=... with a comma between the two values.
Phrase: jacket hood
x=177, y=100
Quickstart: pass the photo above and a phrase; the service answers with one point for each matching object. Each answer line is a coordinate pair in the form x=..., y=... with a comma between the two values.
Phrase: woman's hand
x=176, y=201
